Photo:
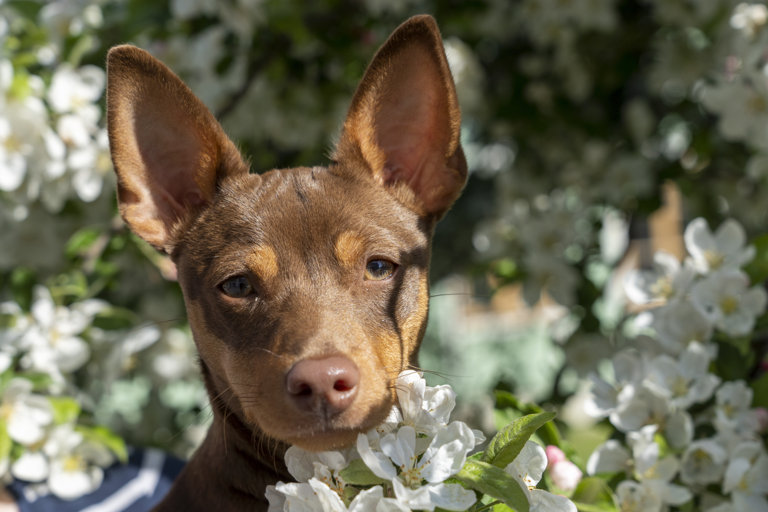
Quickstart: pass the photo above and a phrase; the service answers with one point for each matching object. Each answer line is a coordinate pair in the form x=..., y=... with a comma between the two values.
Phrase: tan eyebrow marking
x=263, y=261
x=349, y=248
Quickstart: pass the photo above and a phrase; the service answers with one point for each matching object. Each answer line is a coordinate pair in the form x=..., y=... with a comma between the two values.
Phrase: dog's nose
x=326, y=386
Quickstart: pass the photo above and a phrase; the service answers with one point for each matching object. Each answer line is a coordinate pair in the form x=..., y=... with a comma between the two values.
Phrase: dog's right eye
x=237, y=287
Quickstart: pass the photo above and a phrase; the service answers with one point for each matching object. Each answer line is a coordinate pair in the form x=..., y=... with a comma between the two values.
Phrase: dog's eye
x=237, y=287
x=379, y=270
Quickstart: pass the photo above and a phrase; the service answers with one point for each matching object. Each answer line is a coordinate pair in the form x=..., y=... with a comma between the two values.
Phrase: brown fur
x=302, y=238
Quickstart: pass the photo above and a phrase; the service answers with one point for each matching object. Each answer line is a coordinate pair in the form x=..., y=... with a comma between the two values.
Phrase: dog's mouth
x=321, y=432
x=323, y=439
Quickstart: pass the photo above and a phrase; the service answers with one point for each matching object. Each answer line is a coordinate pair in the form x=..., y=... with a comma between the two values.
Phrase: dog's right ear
x=168, y=150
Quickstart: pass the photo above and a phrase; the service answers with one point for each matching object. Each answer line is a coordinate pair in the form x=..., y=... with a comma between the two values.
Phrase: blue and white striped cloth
x=136, y=486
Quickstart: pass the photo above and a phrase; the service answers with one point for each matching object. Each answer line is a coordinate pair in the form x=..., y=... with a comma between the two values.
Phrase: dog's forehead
x=309, y=209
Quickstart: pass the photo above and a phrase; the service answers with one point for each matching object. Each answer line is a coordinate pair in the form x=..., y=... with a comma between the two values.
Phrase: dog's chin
x=322, y=435
x=325, y=440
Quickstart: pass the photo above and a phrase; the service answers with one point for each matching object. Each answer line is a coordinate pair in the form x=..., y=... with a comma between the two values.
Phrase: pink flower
x=554, y=455
x=564, y=473
x=762, y=418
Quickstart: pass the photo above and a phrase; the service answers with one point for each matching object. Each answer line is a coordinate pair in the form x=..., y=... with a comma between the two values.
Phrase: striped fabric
x=133, y=487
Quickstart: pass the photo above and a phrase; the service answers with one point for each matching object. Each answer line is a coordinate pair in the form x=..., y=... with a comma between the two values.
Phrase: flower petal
x=543, y=501
x=447, y=453
x=376, y=461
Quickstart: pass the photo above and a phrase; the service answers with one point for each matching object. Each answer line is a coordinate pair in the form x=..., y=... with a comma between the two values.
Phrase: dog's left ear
x=404, y=121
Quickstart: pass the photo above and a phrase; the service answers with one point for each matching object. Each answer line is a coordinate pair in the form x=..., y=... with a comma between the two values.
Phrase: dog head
x=306, y=288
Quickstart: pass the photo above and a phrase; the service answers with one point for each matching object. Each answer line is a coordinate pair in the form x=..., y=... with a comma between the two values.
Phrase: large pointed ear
x=404, y=121
x=168, y=150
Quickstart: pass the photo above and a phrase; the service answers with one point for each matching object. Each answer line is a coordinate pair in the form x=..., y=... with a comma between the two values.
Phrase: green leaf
x=40, y=381
x=757, y=269
x=65, y=409
x=357, y=473
x=506, y=445
x=494, y=482
x=5, y=441
x=106, y=437
x=760, y=389
x=506, y=401
x=593, y=494
x=114, y=318
x=81, y=241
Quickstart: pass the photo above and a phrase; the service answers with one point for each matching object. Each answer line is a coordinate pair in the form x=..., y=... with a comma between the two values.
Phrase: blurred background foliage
x=581, y=118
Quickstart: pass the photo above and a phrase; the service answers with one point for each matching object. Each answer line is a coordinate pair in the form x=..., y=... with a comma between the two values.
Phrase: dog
x=306, y=289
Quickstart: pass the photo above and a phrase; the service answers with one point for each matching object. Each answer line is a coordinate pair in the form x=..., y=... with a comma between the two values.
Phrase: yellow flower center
x=679, y=386
x=663, y=288
x=73, y=463
x=714, y=258
x=729, y=304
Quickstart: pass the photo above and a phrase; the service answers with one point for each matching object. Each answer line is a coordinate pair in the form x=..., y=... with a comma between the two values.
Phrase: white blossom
x=26, y=415
x=725, y=297
x=76, y=465
x=400, y=462
x=53, y=343
x=723, y=249
x=667, y=280
x=609, y=457
x=680, y=323
x=685, y=381
x=528, y=468
x=733, y=413
x=746, y=477
x=703, y=462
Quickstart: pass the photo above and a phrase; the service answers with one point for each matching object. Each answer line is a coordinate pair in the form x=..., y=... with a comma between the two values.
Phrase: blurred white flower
x=528, y=468
x=31, y=466
x=627, y=375
x=26, y=415
x=77, y=90
x=667, y=280
x=609, y=457
x=23, y=123
x=725, y=297
x=723, y=249
x=176, y=356
x=680, y=323
x=91, y=167
x=746, y=477
x=654, y=470
x=638, y=496
x=52, y=343
x=749, y=18
x=733, y=413
x=703, y=462
x=685, y=381
x=741, y=105
x=75, y=463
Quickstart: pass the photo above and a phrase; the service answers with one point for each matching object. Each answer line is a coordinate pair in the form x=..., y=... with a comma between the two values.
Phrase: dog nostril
x=303, y=390
x=328, y=385
x=342, y=385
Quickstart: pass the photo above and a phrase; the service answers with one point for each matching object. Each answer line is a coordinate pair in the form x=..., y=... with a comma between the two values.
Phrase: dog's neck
x=234, y=459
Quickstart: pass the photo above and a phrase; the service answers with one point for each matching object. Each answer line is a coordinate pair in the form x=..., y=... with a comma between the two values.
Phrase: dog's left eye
x=237, y=287
x=379, y=270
